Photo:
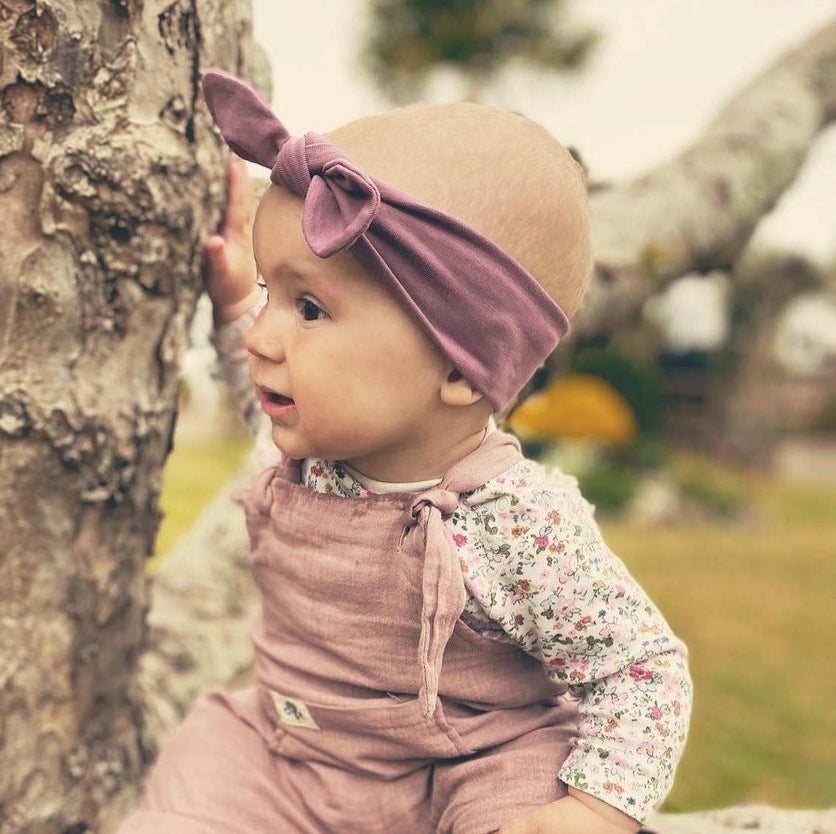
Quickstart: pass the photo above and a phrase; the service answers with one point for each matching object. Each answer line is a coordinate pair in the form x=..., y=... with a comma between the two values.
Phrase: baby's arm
x=578, y=813
x=230, y=280
x=566, y=599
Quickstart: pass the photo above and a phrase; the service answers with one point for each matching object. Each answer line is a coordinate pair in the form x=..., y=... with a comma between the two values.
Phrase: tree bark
x=110, y=176
x=697, y=212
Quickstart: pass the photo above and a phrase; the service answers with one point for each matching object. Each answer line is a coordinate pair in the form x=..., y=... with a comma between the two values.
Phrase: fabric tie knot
x=443, y=590
x=340, y=200
x=443, y=594
x=443, y=500
x=290, y=168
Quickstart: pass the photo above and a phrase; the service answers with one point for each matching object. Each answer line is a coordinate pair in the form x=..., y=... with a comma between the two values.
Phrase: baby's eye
x=310, y=310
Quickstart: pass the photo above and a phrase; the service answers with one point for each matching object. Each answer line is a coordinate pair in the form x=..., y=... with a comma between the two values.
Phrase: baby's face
x=340, y=368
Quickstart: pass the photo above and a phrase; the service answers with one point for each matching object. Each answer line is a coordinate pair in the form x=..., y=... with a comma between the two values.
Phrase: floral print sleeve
x=228, y=340
x=537, y=567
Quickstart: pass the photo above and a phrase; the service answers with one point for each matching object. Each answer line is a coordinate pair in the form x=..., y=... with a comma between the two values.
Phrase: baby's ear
x=456, y=390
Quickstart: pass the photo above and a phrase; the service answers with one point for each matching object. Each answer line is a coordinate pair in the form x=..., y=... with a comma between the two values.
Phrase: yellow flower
x=577, y=407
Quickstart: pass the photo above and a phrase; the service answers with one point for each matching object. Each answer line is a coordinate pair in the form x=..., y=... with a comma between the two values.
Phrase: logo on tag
x=292, y=711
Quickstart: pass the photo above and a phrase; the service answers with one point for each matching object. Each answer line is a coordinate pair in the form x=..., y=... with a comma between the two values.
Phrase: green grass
x=753, y=599
x=196, y=469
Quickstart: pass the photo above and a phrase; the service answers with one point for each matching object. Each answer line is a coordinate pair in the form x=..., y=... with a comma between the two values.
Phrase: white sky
x=662, y=70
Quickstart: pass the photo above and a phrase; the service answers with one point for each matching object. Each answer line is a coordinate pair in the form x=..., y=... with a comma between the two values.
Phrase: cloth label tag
x=292, y=711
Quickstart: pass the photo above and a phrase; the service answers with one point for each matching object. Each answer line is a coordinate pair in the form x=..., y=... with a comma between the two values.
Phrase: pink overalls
x=355, y=724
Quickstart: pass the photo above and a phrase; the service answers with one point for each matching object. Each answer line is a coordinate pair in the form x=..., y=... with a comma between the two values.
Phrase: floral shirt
x=538, y=574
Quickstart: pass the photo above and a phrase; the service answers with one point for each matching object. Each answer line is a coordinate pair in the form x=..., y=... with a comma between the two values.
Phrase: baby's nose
x=263, y=339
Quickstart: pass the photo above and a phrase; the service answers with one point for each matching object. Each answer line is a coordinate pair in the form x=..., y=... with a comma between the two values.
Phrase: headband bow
x=479, y=306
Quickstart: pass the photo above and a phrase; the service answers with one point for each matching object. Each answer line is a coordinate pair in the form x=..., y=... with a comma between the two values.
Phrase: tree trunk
x=109, y=179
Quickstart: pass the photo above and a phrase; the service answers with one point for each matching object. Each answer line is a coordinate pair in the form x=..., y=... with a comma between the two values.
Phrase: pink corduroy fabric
x=480, y=307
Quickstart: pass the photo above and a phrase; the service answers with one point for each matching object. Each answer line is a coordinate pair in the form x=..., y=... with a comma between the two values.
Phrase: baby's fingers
x=521, y=825
x=218, y=276
x=239, y=201
x=217, y=265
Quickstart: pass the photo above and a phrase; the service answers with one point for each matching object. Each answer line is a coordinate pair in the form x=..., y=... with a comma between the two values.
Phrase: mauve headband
x=482, y=309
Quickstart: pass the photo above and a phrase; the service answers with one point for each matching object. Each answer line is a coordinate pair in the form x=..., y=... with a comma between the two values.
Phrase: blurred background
x=705, y=430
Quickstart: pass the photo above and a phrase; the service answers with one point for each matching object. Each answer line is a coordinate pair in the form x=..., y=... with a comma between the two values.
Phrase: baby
x=445, y=644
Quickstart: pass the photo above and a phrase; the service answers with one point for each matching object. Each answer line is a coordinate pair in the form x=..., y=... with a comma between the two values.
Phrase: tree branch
x=203, y=602
x=698, y=211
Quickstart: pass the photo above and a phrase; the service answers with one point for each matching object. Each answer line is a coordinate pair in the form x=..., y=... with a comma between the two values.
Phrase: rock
x=760, y=818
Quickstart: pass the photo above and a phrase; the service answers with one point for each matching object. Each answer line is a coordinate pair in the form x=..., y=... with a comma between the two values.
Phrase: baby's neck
x=386, y=487
x=428, y=464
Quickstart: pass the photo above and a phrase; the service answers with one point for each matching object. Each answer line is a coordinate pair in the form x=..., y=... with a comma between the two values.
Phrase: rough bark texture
x=697, y=212
x=109, y=178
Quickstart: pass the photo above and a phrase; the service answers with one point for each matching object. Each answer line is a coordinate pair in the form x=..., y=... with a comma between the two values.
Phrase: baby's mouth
x=278, y=399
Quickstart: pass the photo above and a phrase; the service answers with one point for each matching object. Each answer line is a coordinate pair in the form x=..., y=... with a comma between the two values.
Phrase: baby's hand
x=230, y=276
x=577, y=813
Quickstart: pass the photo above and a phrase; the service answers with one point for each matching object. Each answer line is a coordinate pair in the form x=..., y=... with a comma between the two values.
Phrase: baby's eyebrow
x=281, y=272
x=290, y=279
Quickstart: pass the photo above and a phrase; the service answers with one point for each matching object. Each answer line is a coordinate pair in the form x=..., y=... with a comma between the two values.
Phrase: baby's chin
x=295, y=445
x=292, y=447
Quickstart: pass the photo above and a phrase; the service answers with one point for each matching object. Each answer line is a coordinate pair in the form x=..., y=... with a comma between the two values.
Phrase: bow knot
x=340, y=205
x=340, y=200
x=290, y=166
x=443, y=594
x=443, y=500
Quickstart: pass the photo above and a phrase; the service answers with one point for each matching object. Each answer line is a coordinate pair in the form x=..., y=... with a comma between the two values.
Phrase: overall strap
x=443, y=592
